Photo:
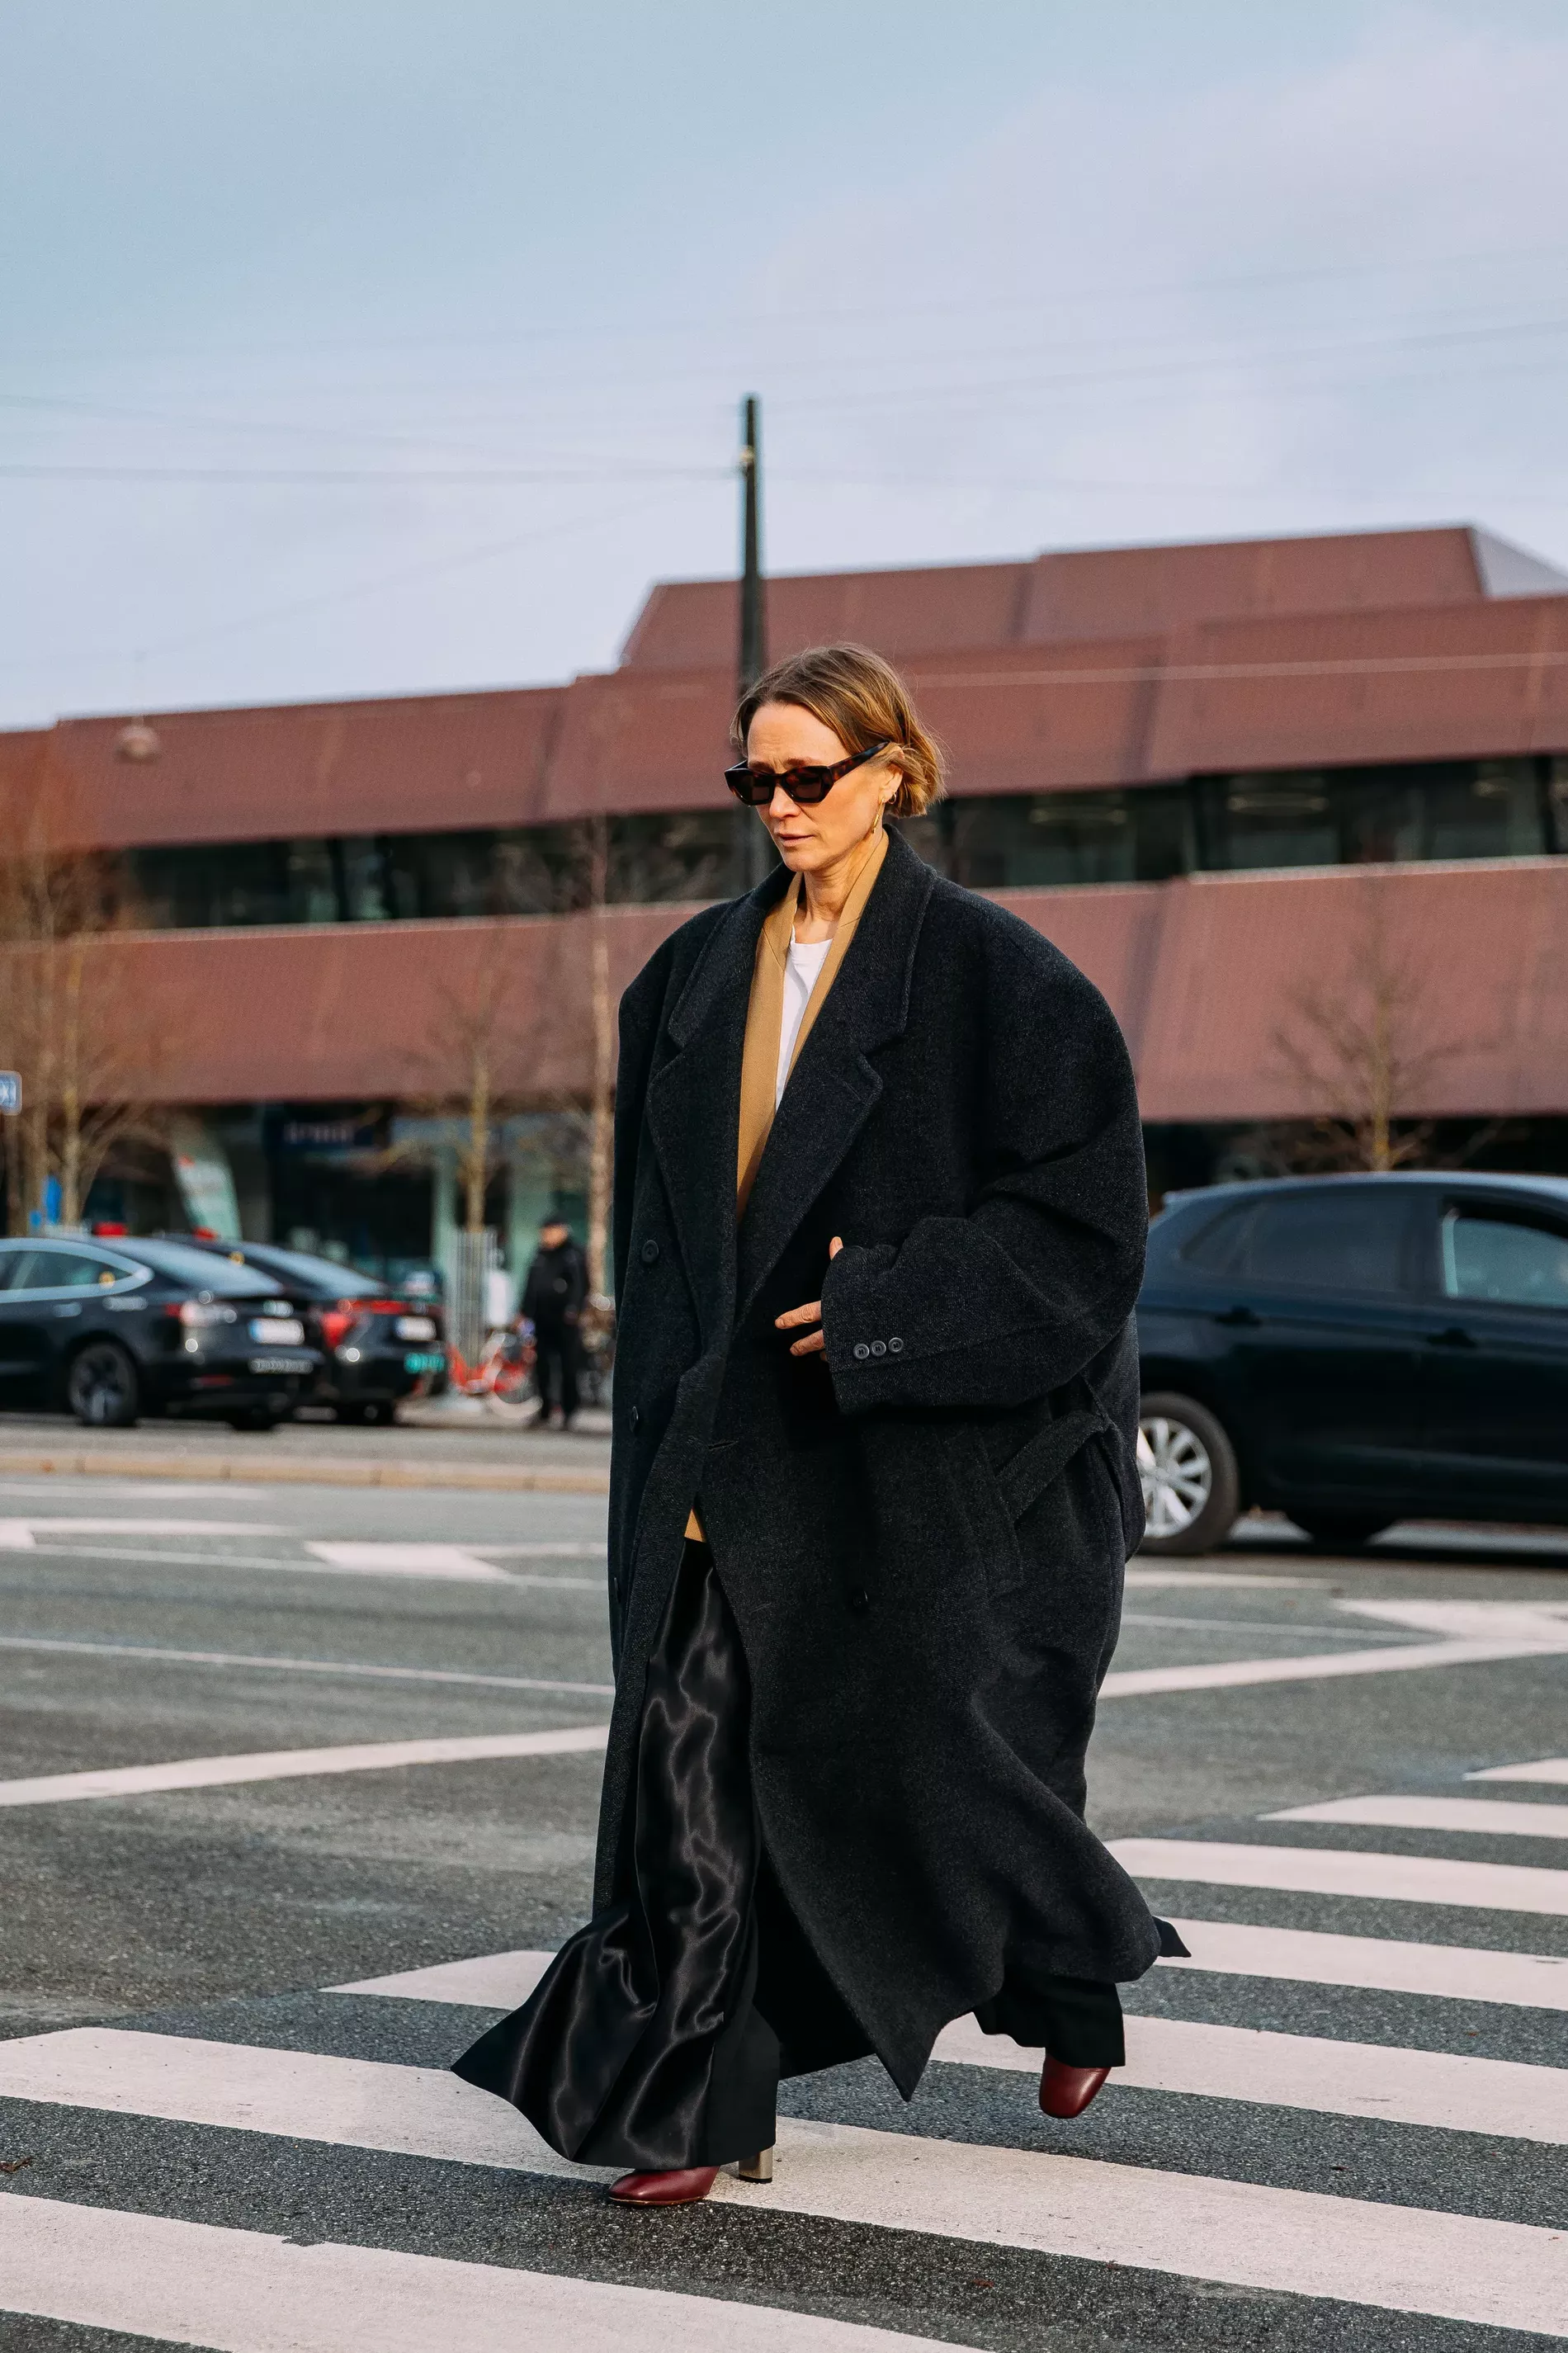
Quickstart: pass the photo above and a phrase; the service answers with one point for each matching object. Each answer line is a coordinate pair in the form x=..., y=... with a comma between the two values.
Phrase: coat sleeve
x=1004, y=1304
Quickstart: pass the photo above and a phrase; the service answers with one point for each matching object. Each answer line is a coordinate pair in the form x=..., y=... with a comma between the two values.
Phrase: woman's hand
x=810, y=1314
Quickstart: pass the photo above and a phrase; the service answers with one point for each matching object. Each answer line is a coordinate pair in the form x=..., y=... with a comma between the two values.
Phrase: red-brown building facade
x=1249, y=788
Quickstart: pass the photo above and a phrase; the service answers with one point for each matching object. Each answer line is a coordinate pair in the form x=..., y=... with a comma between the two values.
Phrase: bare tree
x=88, y=1064
x=464, y=1063
x=1361, y=1049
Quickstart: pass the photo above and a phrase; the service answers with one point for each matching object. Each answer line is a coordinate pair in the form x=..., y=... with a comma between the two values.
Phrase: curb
x=298, y=1470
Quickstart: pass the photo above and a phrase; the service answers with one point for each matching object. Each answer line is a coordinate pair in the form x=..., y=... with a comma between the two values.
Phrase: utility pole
x=754, y=650
x=753, y=646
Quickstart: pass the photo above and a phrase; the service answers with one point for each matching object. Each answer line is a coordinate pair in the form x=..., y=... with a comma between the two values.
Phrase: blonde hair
x=865, y=702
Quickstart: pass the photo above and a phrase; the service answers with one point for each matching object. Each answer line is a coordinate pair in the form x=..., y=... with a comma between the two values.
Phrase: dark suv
x=116, y=1329
x=1355, y=1350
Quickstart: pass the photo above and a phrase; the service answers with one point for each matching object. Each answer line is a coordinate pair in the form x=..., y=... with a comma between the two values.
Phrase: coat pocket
x=1024, y=1476
x=1018, y=1483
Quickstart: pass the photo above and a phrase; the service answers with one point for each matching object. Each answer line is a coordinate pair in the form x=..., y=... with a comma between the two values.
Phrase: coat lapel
x=694, y=1105
x=834, y=1085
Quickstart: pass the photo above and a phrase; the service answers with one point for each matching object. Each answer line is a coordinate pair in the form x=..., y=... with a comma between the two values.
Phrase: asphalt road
x=1345, y=2127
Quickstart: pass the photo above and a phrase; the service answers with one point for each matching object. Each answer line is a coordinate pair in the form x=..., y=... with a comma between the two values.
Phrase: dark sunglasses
x=756, y=786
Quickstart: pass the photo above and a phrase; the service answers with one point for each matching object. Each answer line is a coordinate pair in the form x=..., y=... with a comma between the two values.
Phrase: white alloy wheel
x=1177, y=1472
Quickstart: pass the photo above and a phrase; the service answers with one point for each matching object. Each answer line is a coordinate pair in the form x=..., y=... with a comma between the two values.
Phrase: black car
x=1355, y=1350
x=117, y=1329
x=374, y=1343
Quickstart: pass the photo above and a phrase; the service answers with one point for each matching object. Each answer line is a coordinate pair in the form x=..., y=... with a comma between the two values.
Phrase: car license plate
x=428, y=1360
x=416, y=1327
x=284, y=1329
x=280, y=1364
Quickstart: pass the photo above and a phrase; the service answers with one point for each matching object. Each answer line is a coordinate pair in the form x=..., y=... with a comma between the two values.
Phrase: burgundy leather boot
x=683, y=2187
x=1065, y=2091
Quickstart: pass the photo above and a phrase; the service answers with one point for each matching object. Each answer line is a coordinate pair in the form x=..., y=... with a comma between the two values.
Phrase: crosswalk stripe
x=1347, y=1870
x=1400, y=2258
x=1226, y=1674
x=1438, y=2089
x=445, y=1560
x=294, y=1763
x=247, y=2292
x=1224, y=1947
x=1494, y=1816
x=1380, y=1964
x=489, y=1982
x=1300, y=2241
x=1547, y=1769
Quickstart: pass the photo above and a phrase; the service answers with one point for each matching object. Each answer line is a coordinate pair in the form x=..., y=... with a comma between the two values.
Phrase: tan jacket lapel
x=764, y=1015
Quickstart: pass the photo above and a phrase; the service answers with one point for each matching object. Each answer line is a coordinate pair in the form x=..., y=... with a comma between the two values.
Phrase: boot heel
x=757, y=2168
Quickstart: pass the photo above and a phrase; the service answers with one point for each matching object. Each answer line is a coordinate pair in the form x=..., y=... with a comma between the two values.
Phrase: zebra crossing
x=1202, y=2171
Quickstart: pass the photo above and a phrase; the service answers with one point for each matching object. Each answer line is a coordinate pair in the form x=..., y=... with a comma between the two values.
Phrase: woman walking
x=879, y=1228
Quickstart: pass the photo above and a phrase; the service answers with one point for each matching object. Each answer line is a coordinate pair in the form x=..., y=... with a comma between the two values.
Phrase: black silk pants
x=658, y=2035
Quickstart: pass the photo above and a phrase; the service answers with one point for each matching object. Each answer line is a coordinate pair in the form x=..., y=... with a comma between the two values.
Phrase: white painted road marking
x=1490, y=1816
x=1543, y=1622
x=244, y=2291
x=1139, y=1574
x=1228, y=1674
x=409, y=1560
x=1224, y=1947
x=296, y=1764
x=1437, y=2088
x=1344, y=1870
x=350, y=1667
x=1546, y=1768
x=1399, y=2258
x=1309, y=1957
x=25, y=1530
x=490, y=1981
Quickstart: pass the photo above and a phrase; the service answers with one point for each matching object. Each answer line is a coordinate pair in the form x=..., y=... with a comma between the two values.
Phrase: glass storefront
x=1320, y=817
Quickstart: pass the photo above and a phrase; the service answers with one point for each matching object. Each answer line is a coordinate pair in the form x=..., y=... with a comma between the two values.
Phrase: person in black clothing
x=553, y=1300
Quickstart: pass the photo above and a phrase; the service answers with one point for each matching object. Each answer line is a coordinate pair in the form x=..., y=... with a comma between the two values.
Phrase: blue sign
x=10, y=1091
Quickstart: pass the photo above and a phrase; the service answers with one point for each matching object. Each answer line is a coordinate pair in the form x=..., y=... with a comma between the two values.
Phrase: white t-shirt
x=803, y=968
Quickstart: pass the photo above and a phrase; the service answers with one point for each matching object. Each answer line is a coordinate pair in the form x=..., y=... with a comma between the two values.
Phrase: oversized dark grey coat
x=923, y=1535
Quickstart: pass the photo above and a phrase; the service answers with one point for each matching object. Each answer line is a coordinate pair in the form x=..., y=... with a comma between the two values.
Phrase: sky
x=354, y=347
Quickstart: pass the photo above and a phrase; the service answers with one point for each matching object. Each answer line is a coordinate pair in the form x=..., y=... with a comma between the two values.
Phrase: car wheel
x=254, y=1417
x=102, y=1386
x=1192, y=1491
x=1342, y=1527
x=375, y=1411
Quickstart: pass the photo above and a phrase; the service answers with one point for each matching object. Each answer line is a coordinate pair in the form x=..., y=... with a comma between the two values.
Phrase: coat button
x=650, y=1252
x=879, y=1347
x=861, y=1351
x=635, y=1418
x=895, y=1347
x=859, y=1600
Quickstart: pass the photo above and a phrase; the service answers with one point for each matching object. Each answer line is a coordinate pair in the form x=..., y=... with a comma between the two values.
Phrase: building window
x=1333, y=816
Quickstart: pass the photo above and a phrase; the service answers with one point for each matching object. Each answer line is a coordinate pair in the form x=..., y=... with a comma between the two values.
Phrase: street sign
x=10, y=1091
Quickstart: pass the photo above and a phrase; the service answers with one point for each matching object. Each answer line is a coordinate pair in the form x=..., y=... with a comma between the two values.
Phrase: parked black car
x=1354, y=1350
x=374, y=1343
x=117, y=1329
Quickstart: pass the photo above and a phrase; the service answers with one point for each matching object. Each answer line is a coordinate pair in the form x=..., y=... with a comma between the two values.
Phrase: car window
x=320, y=1274
x=198, y=1271
x=1332, y=1240
x=1221, y=1246
x=65, y=1271
x=1504, y=1260
x=12, y=1261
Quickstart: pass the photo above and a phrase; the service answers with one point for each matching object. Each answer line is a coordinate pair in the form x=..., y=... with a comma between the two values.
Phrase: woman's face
x=783, y=737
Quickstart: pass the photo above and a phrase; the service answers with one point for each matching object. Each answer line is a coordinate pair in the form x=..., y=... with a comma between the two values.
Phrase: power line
x=27, y=471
